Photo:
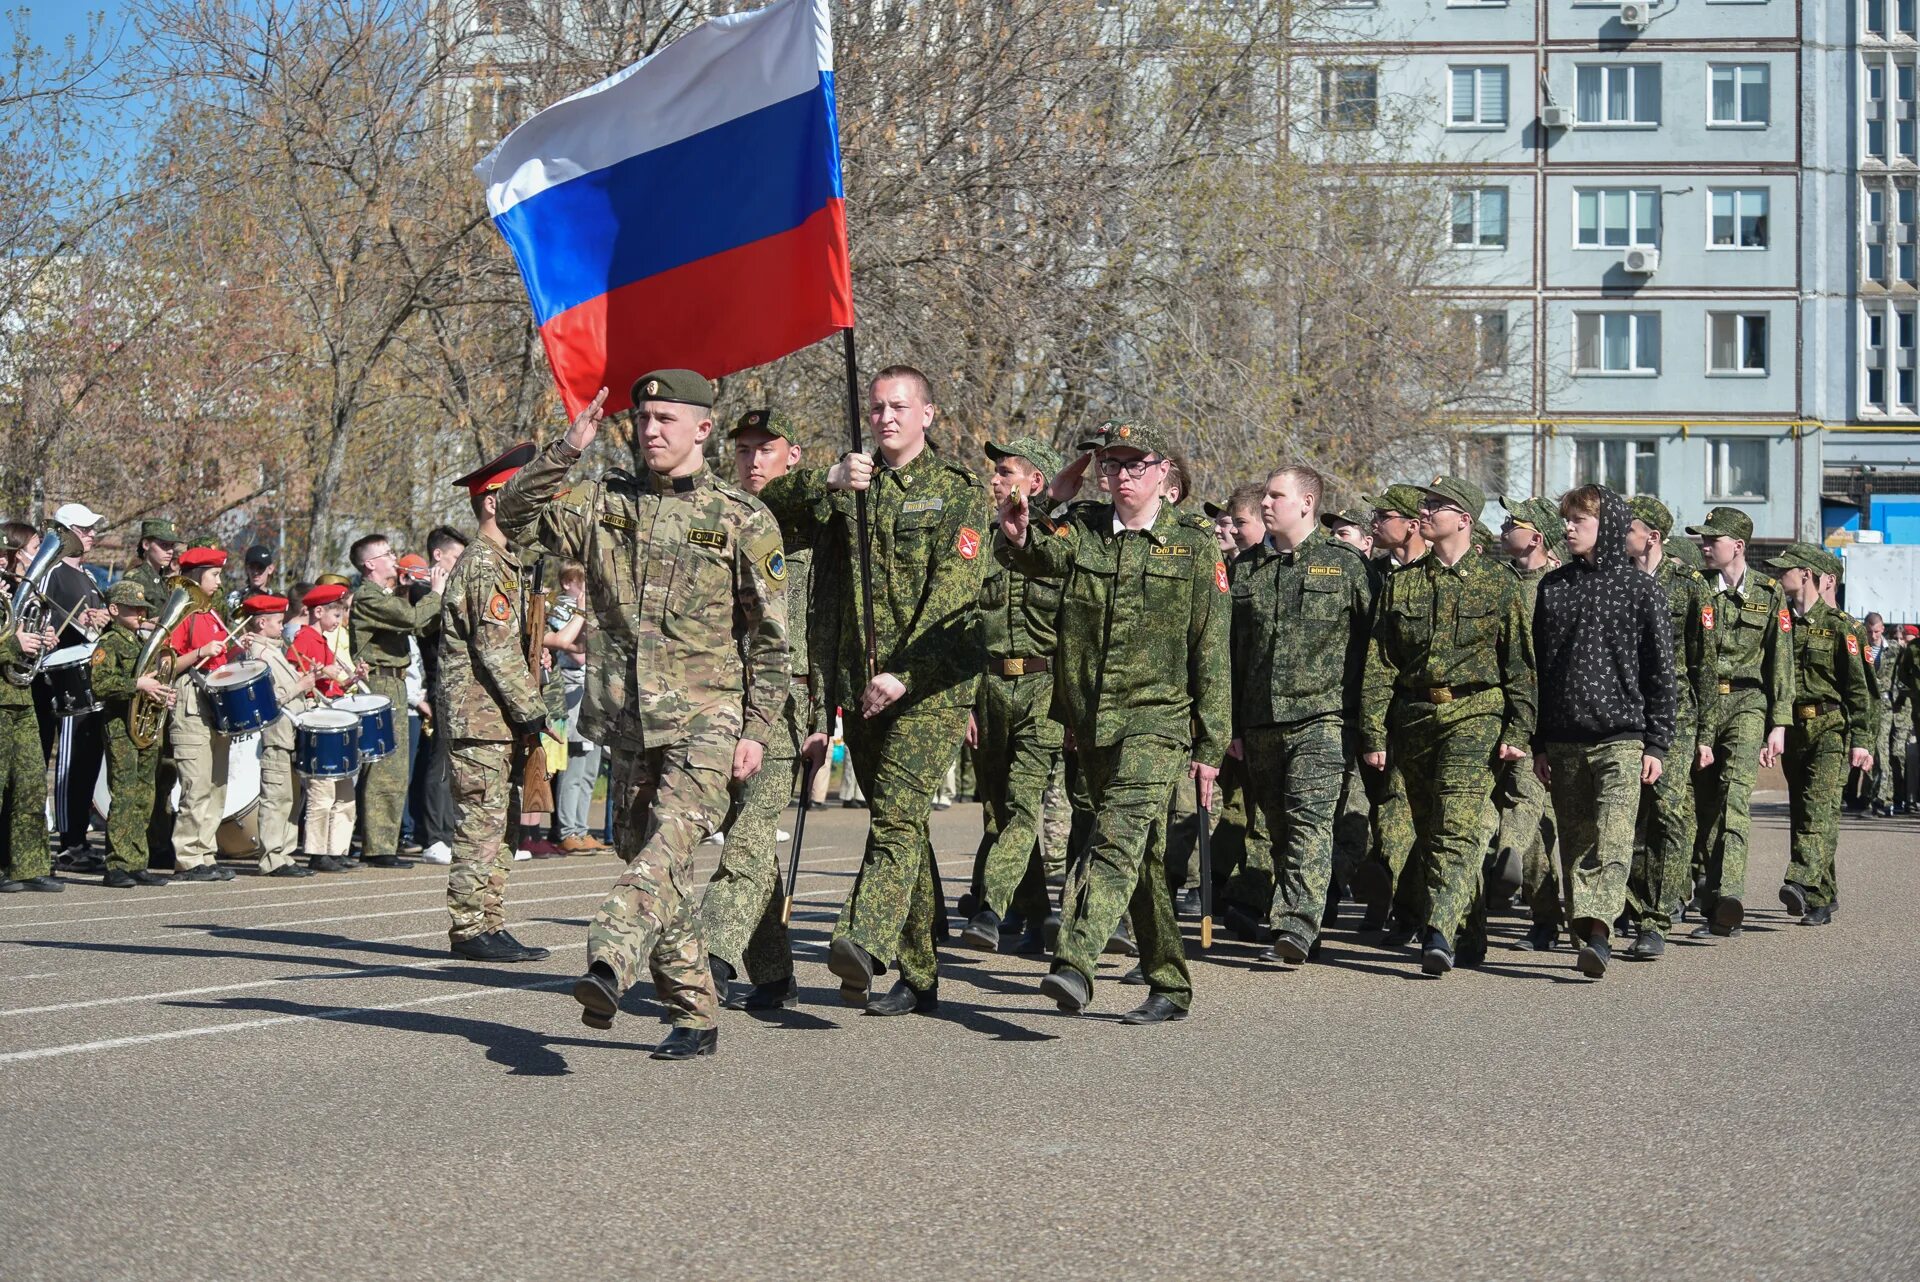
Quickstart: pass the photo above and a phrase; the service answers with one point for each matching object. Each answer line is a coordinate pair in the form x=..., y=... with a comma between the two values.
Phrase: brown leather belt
x=1017, y=667
x=1808, y=711
x=1447, y=694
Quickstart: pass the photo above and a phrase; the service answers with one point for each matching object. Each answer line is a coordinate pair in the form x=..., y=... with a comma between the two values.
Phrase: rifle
x=799, y=835
x=1206, y=870
x=536, y=795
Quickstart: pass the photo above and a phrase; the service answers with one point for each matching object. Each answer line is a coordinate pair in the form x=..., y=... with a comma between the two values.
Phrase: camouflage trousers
x=477, y=878
x=1294, y=773
x=1596, y=798
x=1447, y=768
x=1723, y=795
x=1056, y=819
x=741, y=915
x=383, y=787
x=1352, y=825
x=130, y=773
x=1524, y=825
x=1661, y=879
x=901, y=760
x=23, y=793
x=1816, y=766
x=1123, y=871
x=1889, y=755
x=1018, y=747
x=666, y=801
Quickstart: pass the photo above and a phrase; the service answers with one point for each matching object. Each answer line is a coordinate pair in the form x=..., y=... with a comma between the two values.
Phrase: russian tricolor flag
x=686, y=212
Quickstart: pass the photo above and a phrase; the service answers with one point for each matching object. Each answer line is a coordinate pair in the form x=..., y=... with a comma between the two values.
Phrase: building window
x=1873, y=18
x=504, y=16
x=1487, y=331
x=1349, y=97
x=1889, y=90
x=1887, y=243
x=1616, y=342
x=1736, y=468
x=1737, y=94
x=1738, y=218
x=1737, y=343
x=1890, y=330
x=1480, y=218
x=493, y=111
x=1617, y=95
x=1477, y=97
x=1624, y=466
x=1616, y=217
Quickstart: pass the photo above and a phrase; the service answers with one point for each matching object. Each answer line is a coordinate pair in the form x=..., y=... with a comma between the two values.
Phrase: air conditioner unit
x=1641, y=262
x=1635, y=15
x=1555, y=116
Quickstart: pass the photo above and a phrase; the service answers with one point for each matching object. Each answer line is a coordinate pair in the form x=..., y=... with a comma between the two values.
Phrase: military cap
x=1094, y=438
x=493, y=475
x=200, y=558
x=1652, y=513
x=1482, y=536
x=1687, y=552
x=128, y=592
x=264, y=604
x=323, y=594
x=1462, y=493
x=334, y=581
x=1399, y=498
x=772, y=422
x=1347, y=516
x=1833, y=564
x=679, y=385
x=1214, y=510
x=1534, y=514
x=159, y=528
x=1032, y=449
x=1724, y=523
x=1115, y=435
x=1799, y=556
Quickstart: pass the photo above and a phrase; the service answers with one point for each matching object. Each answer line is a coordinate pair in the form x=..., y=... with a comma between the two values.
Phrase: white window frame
x=1635, y=70
x=1330, y=73
x=1600, y=224
x=1636, y=319
x=1480, y=70
x=1481, y=4
x=1736, y=68
x=1633, y=446
x=1475, y=195
x=1716, y=468
x=1740, y=320
x=1737, y=193
x=1890, y=359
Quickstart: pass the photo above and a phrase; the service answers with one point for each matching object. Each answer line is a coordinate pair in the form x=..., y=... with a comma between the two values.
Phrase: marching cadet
x=23, y=762
x=1354, y=527
x=1016, y=742
x=1660, y=882
x=1449, y=679
x=130, y=769
x=1748, y=729
x=1523, y=845
x=1888, y=771
x=1353, y=823
x=1832, y=728
x=382, y=622
x=485, y=703
x=687, y=679
x=1145, y=691
x=158, y=552
x=907, y=714
x=742, y=918
x=331, y=803
x=265, y=618
x=1302, y=606
x=200, y=643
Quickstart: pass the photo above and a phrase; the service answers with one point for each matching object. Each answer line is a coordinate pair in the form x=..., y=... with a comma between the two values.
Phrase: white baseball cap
x=77, y=516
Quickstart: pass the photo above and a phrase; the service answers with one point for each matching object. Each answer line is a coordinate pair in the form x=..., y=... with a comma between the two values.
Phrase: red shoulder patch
x=1853, y=644
x=1706, y=617
x=1786, y=621
x=968, y=544
x=1220, y=575
x=500, y=608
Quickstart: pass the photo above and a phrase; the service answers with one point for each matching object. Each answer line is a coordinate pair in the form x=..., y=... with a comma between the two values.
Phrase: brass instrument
x=30, y=608
x=147, y=714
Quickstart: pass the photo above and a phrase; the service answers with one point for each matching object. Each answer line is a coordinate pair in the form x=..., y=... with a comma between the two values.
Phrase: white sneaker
x=521, y=856
x=781, y=834
x=717, y=839
x=438, y=853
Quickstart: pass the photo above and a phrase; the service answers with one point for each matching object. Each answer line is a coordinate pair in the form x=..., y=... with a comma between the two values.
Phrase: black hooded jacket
x=1604, y=646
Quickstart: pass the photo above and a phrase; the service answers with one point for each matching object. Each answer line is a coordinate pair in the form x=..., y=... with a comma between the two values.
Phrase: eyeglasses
x=1431, y=508
x=1135, y=468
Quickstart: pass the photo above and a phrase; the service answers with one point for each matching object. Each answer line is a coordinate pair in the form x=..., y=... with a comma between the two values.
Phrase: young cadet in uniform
x=907, y=716
x=485, y=703
x=1016, y=742
x=1880, y=654
x=1832, y=729
x=130, y=769
x=1748, y=729
x=740, y=918
x=1523, y=858
x=1302, y=609
x=382, y=621
x=23, y=761
x=265, y=618
x=1449, y=679
x=159, y=550
x=1663, y=854
x=1145, y=690
x=687, y=675
x=1353, y=822
x=331, y=804
x=200, y=643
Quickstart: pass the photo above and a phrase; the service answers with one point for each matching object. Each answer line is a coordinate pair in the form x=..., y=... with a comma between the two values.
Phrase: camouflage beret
x=683, y=386
x=1032, y=449
x=772, y=422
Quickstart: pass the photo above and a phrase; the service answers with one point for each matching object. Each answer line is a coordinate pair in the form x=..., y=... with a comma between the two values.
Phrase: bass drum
x=239, y=833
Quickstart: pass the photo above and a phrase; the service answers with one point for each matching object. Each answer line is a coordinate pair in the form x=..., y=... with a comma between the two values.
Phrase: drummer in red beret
x=200, y=643
x=331, y=808
x=264, y=617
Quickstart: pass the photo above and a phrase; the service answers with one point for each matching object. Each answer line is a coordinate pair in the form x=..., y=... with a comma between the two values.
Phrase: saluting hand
x=1066, y=482
x=1015, y=518
x=586, y=424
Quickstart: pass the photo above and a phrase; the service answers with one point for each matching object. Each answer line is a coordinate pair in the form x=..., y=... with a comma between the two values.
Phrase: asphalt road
x=272, y=1079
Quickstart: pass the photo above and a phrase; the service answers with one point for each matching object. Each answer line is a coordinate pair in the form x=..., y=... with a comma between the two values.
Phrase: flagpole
x=860, y=505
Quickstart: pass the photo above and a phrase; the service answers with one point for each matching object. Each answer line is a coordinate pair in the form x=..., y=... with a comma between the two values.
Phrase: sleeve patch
x=1853, y=644
x=1786, y=621
x=499, y=609
x=775, y=564
x=100, y=656
x=968, y=542
x=1220, y=575
x=1706, y=617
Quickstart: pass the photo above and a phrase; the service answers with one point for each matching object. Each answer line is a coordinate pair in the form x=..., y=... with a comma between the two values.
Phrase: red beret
x=199, y=558
x=1912, y=631
x=264, y=605
x=323, y=594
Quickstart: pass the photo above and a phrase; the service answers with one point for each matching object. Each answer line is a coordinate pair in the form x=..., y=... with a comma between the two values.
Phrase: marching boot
x=1436, y=954
x=1068, y=988
x=780, y=995
x=1596, y=952
x=1120, y=943
x=1793, y=897
x=722, y=972
x=983, y=932
x=598, y=997
x=904, y=999
x=1155, y=1010
x=1649, y=946
x=686, y=1043
x=854, y=967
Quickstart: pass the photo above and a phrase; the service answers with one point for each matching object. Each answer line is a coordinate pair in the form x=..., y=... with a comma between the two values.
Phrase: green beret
x=159, y=528
x=1399, y=498
x=1724, y=523
x=1032, y=449
x=772, y=422
x=679, y=385
x=129, y=592
x=1462, y=493
x=1652, y=513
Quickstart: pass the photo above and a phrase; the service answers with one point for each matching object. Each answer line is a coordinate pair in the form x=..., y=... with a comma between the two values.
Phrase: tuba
x=31, y=610
x=147, y=714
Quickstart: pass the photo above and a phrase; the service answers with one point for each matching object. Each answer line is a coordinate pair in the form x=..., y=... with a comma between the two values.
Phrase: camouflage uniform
x=484, y=691
x=1524, y=808
x=380, y=623
x=129, y=769
x=23, y=777
x=1886, y=736
x=1832, y=715
x=1299, y=642
x=927, y=522
x=1144, y=685
x=157, y=588
x=687, y=655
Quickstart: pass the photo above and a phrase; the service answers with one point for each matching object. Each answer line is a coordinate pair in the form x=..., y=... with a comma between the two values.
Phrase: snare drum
x=241, y=695
x=69, y=674
x=326, y=744
x=375, y=712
